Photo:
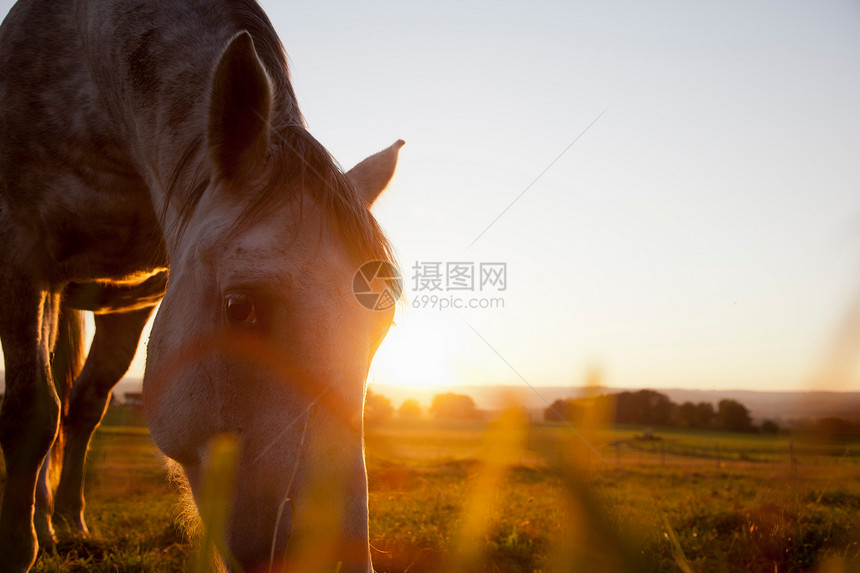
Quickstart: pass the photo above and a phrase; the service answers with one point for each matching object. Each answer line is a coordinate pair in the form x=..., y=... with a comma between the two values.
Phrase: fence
x=663, y=452
x=624, y=446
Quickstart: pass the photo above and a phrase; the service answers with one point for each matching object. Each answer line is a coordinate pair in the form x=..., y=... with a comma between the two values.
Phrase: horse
x=154, y=151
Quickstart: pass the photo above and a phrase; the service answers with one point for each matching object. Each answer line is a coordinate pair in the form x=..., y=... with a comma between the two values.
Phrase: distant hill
x=127, y=384
x=780, y=406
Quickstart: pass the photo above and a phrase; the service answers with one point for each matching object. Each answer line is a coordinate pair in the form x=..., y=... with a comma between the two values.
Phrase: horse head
x=260, y=337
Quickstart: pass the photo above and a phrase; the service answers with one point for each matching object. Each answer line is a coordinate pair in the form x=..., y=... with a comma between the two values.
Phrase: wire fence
x=673, y=452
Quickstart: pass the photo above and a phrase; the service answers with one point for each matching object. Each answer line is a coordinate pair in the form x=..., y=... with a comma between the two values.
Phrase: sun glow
x=418, y=352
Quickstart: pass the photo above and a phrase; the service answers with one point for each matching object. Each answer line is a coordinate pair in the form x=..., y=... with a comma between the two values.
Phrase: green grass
x=130, y=509
x=560, y=508
x=468, y=496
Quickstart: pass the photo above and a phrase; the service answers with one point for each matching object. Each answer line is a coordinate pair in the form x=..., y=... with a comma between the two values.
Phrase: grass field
x=507, y=496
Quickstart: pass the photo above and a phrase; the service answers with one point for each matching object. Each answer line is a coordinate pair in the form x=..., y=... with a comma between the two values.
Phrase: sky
x=673, y=187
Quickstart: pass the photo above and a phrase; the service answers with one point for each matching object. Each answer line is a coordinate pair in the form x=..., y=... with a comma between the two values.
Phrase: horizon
x=673, y=190
x=625, y=334
x=784, y=407
x=131, y=379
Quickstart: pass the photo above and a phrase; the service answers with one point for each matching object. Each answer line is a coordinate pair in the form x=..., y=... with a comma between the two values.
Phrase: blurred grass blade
x=503, y=446
x=677, y=550
x=216, y=495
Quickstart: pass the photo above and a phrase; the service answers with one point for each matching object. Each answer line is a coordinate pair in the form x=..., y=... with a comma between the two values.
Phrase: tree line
x=378, y=408
x=651, y=408
x=642, y=408
x=645, y=407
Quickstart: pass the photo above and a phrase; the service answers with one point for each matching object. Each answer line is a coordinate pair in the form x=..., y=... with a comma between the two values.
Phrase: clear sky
x=703, y=232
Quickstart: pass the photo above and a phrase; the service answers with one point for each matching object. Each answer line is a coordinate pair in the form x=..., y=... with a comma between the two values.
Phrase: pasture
x=508, y=496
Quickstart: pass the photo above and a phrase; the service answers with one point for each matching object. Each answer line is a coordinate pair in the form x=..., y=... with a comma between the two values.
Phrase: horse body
x=137, y=136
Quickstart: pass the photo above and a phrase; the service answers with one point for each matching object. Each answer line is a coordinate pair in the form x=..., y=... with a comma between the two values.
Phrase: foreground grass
x=561, y=508
x=130, y=509
x=467, y=496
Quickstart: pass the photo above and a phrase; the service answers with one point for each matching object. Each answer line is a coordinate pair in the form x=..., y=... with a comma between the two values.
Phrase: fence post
x=793, y=461
x=529, y=433
x=663, y=454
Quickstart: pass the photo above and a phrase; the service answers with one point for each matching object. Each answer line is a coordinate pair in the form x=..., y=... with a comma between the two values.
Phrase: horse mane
x=297, y=160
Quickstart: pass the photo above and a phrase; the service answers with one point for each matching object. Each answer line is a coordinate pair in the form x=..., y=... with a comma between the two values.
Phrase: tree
x=643, y=407
x=409, y=409
x=699, y=415
x=562, y=410
x=833, y=429
x=656, y=408
x=733, y=416
x=688, y=415
x=452, y=405
x=377, y=408
x=769, y=427
x=706, y=414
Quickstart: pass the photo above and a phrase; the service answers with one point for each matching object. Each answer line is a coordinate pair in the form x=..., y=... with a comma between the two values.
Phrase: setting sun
x=418, y=352
x=619, y=242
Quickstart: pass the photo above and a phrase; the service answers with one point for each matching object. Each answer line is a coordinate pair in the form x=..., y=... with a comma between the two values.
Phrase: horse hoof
x=45, y=534
x=71, y=523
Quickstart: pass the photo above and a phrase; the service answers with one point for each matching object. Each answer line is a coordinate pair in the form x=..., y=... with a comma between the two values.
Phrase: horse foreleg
x=66, y=363
x=111, y=353
x=44, y=498
x=30, y=413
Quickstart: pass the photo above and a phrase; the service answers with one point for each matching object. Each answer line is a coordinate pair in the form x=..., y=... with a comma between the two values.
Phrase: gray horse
x=138, y=136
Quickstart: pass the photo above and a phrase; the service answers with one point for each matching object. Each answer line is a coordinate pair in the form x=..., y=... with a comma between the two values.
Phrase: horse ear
x=372, y=175
x=239, y=108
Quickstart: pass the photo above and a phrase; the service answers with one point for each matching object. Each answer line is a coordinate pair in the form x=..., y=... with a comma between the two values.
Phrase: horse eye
x=240, y=309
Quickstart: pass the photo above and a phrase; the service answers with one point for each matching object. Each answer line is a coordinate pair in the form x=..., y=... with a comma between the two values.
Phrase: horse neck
x=152, y=70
